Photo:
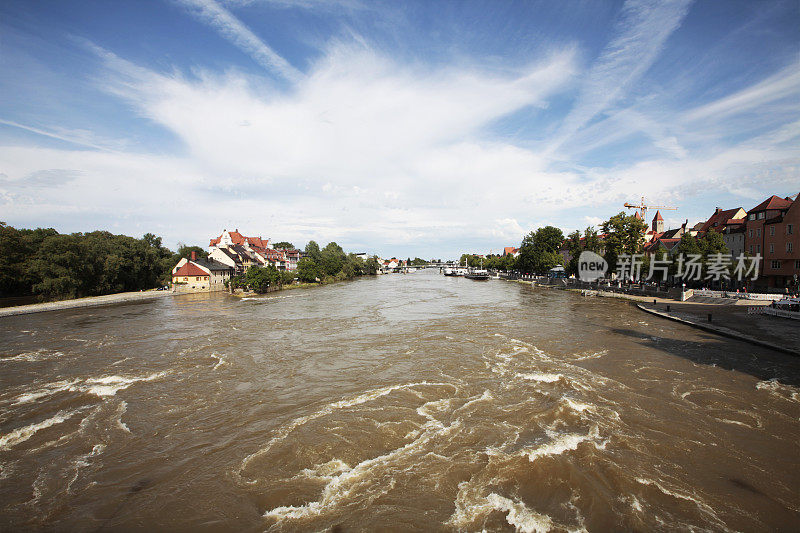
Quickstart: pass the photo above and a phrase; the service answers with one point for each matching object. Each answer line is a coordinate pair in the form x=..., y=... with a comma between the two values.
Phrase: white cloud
x=378, y=155
x=641, y=32
x=235, y=31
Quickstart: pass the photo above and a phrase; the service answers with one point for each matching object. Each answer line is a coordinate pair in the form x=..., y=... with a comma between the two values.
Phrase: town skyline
x=404, y=130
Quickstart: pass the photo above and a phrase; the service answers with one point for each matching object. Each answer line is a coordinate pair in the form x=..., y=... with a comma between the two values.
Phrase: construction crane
x=642, y=207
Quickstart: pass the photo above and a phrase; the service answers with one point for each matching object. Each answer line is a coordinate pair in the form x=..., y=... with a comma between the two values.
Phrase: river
x=396, y=403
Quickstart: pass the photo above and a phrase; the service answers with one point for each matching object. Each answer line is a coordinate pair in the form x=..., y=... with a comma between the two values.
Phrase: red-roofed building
x=721, y=218
x=194, y=274
x=510, y=250
x=772, y=230
x=241, y=252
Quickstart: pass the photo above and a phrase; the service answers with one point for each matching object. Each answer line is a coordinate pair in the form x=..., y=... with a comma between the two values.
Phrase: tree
x=186, y=251
x=575, y=248
x=332, y=259
x=313, y=251
x=623, y=236
x=308, y=270
x=371, y=266
x=538, y=252
x=283, y=245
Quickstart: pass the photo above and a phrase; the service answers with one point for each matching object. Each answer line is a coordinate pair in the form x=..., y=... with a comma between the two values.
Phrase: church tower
x=658, y=223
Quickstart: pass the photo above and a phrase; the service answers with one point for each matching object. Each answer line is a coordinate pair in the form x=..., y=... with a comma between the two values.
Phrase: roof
x=211, y=264
x=190, y=269
x=231, y=255
x=670, y=234
x=773, y=202
x=510, y=250
x=719, y=218
x=658, y=216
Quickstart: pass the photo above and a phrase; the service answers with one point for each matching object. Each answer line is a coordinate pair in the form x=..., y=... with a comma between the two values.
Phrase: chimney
x=719, y=209
x=194, y=255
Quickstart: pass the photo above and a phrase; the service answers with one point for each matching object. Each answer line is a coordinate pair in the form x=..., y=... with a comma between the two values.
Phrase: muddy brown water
x=399, y=403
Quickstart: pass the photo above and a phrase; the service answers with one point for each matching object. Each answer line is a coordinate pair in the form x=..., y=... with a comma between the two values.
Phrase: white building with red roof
x=196, y=275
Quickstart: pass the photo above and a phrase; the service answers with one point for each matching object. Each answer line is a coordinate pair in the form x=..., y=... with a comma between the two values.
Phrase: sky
x=425, y=128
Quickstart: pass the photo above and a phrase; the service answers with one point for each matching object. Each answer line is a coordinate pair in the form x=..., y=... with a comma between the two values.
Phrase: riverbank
x=301, y=285
x=734, y=322
x=91, y=301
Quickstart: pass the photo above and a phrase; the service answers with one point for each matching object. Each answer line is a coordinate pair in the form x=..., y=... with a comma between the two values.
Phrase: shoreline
x=752, y=329
x=722, y=331
x=89, y=301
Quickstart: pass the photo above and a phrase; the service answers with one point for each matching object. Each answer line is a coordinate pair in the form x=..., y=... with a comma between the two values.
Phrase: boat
x=477, y=274
x=449, y=272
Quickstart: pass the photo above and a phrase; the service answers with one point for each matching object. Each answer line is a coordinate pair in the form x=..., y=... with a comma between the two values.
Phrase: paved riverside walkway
x=733, y=321
x=91, y=301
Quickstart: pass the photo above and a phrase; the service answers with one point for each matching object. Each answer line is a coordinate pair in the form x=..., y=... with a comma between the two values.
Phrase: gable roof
x=190, y=269
x=719, y=218
x=658, y=216
x=212, y=264
x=773, y=202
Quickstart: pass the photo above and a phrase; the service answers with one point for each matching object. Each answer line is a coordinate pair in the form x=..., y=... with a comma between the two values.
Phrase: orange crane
x=642, y=207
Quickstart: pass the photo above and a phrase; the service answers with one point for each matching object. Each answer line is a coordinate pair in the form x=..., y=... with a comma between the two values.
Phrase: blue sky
x=398, y=128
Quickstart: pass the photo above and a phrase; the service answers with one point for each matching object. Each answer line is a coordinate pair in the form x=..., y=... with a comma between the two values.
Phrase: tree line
x=540, y=250
x=42, y=262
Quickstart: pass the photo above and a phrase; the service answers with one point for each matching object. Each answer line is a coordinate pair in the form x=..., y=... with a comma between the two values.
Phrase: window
x=797, y=265
x=771, y=231
x=758, y=232
x=751, y=216
x=776, y=265
x=751, y=248
x=761, y=215
x=750, y=233
x=185, y=279
x=758, y=248
x=771, y=248
x=788, y=229
x=789, y=247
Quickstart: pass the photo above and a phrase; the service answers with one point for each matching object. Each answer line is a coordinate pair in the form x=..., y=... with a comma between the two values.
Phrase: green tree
x=313, y=252
x=624, y=235
x=575, y=247
x=371, y=266
x=308, y=270
x=539, y=251
x=284, y=245
x=332, y=259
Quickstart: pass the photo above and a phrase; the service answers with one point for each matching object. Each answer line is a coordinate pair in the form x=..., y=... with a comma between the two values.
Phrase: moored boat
x=477, y=274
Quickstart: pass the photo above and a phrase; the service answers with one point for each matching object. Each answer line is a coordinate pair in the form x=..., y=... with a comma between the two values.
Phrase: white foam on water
x=47, y=390
x=577, y=406
x=111, y=385
x=102, y=387
x=22, y=434
x=776, y=388
x=32, y=357
x=368, y=396
x=83, y=461
x=347, y=483
x=539, y=376
x=220, y=360
x=693, y=498
x=485, y=397
x=123, y=407
x=519, y=516
x=561, y=444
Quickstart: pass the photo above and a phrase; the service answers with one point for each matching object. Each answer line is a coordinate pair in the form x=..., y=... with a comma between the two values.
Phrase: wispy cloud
x=236, y=32
x=782, y=84
x=640, y=34
x=77, y=137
